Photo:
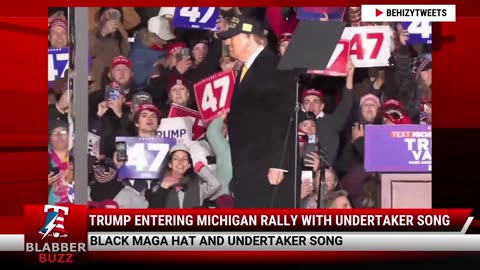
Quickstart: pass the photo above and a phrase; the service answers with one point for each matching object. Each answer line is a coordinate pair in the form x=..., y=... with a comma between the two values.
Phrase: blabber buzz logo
x=55, y=233
x=54, y=221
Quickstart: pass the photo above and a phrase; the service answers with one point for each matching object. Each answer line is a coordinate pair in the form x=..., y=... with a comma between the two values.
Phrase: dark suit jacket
x=260, y=113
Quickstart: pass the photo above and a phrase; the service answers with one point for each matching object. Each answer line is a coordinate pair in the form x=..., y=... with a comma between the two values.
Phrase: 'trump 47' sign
x=398, y=148
x=57, y=63
x=145, y=156
x=420, y=32
x=214, y=93
x=337, y=65
x=198, y=129
x=369, y=45
x=196, y=17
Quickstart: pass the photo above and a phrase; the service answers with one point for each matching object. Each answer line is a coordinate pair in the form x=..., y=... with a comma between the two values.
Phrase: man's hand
x=183, y=65
x=357, y=131
x=168, y=182
x=403, y=35
x=102, y=108
x=306, y=189
x=223, y=113
x=54, y=178
x=116, y=106
x=313, y=161
x=117, y=162
x=275, y=176
x=350, y=73
x=109, y=27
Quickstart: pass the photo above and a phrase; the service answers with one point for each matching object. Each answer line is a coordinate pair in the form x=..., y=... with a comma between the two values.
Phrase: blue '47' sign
x=145, y=156
x=420, y=32
x=196, y=17
x=57, y=64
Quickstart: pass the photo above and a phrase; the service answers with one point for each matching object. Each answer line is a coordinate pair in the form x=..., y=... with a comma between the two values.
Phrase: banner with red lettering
x=198, y=129
x=337, y=65
x=369, y=45
x=214, y=94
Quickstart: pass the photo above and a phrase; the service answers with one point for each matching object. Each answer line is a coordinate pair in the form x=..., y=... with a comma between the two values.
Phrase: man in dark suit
x=260, y=113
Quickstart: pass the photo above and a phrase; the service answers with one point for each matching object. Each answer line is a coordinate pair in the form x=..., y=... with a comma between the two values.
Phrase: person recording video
x=108, y=40
x=313, y=157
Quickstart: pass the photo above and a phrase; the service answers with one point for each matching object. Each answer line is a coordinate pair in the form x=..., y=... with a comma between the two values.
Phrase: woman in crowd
x=183, y=185
x=58, y=165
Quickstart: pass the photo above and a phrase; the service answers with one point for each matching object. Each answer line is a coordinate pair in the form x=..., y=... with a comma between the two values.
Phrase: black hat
x=241, y=24
x=304, y=116
x=56, y=123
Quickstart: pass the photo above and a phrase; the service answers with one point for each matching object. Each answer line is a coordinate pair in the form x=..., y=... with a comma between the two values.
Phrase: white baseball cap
x=166, y=12
x=180, y=147
x=160, y=25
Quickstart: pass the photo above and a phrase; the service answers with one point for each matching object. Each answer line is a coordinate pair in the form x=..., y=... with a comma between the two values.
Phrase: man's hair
x=332, y=196
x=136, y=117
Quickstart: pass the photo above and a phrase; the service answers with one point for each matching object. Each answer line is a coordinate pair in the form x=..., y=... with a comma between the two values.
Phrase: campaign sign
x=198, y=129
x=145, y=156
x=93, y=144
x=398, y=148
x=369, y=45
x=337, y=65
x=196, y=17
x=320, y=13
x=214, y=93
x=57, y=64
x=179, y=128
x=420, y=32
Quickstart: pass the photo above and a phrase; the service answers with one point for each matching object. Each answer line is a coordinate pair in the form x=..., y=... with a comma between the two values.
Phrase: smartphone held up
x=121, y=148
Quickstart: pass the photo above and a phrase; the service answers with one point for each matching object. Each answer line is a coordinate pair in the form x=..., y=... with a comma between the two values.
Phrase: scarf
x=62, y=164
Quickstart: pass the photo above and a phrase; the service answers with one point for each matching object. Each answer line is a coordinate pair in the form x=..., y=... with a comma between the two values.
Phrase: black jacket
x=109, y=126
x=331, y=125
x=260, y=113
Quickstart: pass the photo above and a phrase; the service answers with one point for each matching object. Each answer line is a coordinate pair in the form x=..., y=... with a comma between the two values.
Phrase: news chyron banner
x=65, y=234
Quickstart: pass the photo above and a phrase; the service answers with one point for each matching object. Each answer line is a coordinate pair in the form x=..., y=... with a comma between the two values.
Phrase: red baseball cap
x=395, y=113
x=392, y=104
x=121, y=60
x=175, y=47
x=312, y=92
x=149, y=107
x=58, y=22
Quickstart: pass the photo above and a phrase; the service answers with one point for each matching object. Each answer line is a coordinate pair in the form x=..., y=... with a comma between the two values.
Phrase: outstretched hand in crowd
x=403, y=35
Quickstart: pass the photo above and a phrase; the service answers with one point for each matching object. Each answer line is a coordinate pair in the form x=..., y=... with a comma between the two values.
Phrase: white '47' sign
x=214, y=93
